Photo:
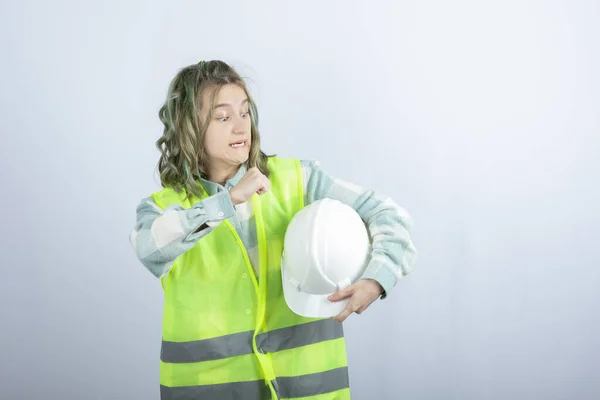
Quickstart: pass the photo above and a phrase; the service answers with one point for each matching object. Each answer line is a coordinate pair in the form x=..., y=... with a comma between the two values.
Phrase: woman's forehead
x=231, y=93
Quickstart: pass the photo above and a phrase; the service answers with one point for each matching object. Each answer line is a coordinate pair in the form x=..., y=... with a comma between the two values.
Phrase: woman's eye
x=223, y=119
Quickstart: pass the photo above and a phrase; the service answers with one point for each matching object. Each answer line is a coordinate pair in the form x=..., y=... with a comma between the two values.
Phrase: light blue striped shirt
x=161, y=236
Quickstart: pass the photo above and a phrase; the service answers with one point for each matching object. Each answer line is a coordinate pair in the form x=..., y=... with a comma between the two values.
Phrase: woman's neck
x=222, y=175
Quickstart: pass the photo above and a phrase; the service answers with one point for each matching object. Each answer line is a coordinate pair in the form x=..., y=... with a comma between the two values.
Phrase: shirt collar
x=214, y=188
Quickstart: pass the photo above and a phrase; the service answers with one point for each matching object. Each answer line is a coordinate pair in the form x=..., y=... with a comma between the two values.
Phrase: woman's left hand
x=361, y=294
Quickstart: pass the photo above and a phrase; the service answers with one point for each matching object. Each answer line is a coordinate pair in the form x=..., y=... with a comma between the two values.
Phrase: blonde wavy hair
x=183, y=158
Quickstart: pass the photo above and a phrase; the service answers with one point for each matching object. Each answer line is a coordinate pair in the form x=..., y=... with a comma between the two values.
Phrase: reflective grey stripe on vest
x=299, y=335
x=241, y=343
x=313, y=384
x=253, y=390
x=287, y=387
x=236, y=344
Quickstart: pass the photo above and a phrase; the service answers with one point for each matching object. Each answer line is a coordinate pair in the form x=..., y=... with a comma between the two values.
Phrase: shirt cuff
x=210, y=211
x=384, y=275
x=218, y=207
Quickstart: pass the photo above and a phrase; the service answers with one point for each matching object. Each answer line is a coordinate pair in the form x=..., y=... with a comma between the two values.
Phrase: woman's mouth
x=238, y=144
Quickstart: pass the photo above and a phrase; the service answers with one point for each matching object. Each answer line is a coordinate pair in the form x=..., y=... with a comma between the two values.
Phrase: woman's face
x=228, y=137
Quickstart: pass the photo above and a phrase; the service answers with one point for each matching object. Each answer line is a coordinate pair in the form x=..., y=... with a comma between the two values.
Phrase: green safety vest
x=228, y=335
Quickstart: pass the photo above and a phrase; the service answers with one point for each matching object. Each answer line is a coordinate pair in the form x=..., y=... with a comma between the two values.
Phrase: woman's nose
x=240, y=124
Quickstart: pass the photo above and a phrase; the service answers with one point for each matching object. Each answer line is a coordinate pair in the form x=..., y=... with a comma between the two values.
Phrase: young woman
x=214, y=234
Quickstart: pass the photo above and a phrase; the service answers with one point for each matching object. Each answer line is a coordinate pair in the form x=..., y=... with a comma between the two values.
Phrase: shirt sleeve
x=161, y=236
x=393, y=253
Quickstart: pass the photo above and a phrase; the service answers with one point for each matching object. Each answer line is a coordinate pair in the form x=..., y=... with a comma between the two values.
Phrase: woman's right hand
x=252, y=182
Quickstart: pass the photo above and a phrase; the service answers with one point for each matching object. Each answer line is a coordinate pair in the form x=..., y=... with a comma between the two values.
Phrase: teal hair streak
x=188, y=175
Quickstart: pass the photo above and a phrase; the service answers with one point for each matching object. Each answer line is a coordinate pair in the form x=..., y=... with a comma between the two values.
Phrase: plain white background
x=480, y=118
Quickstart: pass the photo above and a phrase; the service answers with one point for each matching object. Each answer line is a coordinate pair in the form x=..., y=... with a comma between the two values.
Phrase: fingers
x=254, y=181
x=341, y=317
x=350, y=307
x=266, y=184
x=262, y=182
x=360, y=300
x=353, y=306
x=342, y=294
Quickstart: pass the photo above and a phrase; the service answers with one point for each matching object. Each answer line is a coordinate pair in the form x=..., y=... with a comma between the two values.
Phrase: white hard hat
x=326, y=249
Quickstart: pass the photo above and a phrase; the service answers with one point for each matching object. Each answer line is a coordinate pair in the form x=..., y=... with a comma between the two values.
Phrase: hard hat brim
x=307, y=304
